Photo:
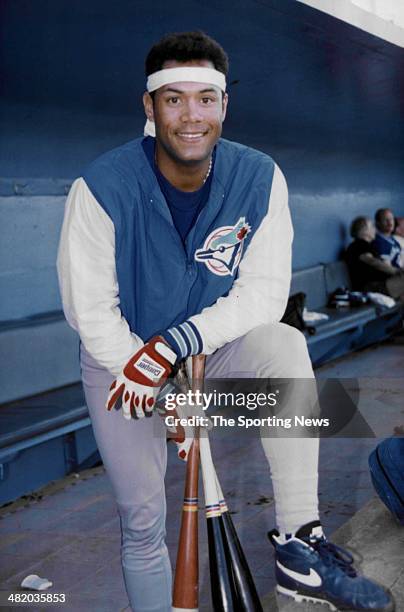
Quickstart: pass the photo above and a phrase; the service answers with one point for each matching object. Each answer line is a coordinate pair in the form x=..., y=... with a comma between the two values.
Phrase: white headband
x=186, y=74
x=191, y=74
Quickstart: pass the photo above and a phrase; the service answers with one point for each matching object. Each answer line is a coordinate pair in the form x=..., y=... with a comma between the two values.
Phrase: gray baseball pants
x=135, y=457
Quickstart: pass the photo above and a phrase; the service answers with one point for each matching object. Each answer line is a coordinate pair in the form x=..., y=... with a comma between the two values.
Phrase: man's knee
x=282, y=351
x=143, y=531
x=288, y=336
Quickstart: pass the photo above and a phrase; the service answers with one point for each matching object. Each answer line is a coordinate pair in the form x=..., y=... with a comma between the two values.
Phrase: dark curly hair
x=186, y=46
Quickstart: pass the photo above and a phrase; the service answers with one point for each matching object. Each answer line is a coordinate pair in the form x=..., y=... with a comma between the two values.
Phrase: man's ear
x=148, y=106
x=224, y=105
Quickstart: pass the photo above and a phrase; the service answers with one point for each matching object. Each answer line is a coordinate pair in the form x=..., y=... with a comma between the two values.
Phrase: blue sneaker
x=309, y=568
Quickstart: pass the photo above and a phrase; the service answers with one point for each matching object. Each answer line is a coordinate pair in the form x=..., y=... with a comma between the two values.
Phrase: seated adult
x=367, y=270
x=399, y=236
x=387, y=246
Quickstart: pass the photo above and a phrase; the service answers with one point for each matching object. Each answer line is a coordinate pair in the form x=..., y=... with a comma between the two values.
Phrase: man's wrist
x=184, y=339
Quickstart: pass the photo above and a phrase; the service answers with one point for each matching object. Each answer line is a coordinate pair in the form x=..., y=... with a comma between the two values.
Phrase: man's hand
x=141, y=379
x=181, y=433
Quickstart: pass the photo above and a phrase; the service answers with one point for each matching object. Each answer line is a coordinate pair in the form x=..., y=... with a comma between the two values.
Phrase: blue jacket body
x=163, y=282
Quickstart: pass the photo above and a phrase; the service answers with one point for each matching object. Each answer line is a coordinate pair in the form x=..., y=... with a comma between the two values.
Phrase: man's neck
x=182, y=176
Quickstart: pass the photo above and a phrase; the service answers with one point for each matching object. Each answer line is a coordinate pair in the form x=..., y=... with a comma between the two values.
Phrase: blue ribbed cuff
x=184, y=339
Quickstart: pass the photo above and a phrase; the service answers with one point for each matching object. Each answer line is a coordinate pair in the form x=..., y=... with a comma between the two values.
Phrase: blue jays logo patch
x=223, y=247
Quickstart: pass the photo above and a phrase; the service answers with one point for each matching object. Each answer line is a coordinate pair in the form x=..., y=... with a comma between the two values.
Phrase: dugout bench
x=347, y=329
x=45, y=430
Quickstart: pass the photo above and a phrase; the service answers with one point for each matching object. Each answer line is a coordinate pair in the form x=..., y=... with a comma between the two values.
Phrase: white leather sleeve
x=260, y=293
x=88, y=281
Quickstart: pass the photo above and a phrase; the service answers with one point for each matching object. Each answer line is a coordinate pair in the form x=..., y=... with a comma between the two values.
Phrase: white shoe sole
x=301, y=598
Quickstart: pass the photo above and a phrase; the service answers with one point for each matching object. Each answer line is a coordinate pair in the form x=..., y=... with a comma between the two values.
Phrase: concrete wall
x=30, y=228
x=390, y=10
x=383, y=18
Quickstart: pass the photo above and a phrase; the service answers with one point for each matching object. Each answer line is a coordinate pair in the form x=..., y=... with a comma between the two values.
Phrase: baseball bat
x=240, y=591
x=186, y=580
x=224, y=595
x=247, y=596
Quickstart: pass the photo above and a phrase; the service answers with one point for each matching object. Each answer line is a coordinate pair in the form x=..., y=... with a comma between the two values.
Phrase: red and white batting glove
x=141, y=379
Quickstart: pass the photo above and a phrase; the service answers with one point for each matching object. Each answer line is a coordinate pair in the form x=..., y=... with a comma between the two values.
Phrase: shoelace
x=333, y=555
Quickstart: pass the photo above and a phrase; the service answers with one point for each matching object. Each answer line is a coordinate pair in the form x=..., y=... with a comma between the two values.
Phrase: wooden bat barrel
x=186, y=580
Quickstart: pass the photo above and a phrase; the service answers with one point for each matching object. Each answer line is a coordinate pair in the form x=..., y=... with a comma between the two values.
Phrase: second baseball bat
x=247, y=596
x=221, y=578
x=232, y=584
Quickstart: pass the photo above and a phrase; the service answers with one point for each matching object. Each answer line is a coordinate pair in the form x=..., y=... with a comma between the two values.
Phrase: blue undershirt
x=184, y=206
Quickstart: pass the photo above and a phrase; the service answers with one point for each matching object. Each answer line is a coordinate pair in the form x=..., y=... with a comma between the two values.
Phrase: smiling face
x=188, y=117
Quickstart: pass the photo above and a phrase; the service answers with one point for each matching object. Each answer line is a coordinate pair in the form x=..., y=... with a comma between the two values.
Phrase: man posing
x=179, y=244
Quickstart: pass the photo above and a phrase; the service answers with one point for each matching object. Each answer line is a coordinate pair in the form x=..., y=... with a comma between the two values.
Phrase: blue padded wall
x=322, y=97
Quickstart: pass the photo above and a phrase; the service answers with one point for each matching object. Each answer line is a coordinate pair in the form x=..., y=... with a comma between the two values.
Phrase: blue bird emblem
x=223, y=248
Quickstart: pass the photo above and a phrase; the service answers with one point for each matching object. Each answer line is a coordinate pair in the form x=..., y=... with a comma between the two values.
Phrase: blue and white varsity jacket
x=126, y=276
